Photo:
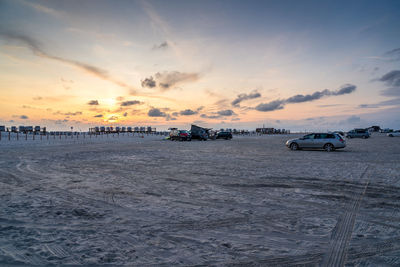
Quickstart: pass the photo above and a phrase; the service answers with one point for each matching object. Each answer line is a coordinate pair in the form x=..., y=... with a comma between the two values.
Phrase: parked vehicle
x=386, y=130
x=326, y=141
x=180, y=135
x=394, y=134
x=358, y=133
x=340, y=132
x=199, y=132
x=224, y=135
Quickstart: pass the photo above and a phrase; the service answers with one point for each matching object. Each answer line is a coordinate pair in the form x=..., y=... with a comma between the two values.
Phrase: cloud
x=168, y=79
x=149, y=82
x=187, y=112
x=205, y=116
x=60, y=121
x=279, y=104
x=23, y=117
x=112, y=118
x=330, y=105
x=392, y=80
x=98, y=116
x=73, y=113
x=394, y=54
x=155, y=112
x=243, y=97
x=219, y=114
x=390, y=102
x=93, y=103
x=130, y=103
x=271, y=106
x=345, y=89
x=163, y=45
x=44, y=9
x=226, y=112
x=39, y=51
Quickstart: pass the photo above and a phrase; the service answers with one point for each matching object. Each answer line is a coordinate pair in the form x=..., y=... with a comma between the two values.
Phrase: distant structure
x=271, y=131
x=122, y=129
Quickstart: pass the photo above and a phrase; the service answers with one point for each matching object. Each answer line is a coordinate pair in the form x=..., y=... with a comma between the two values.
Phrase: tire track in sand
x=336, y=255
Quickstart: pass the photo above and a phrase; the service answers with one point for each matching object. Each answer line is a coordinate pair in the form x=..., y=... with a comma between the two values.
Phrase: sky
x=298, y=65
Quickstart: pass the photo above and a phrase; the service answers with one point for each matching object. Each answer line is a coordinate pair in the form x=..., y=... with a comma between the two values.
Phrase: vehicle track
x=336, y=255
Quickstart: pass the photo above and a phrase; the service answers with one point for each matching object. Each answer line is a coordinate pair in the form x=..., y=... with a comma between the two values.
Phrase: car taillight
x=341, y=140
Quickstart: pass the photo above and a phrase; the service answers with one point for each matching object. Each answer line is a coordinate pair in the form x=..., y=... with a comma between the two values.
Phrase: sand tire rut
x=336, y=255
x=21, y=256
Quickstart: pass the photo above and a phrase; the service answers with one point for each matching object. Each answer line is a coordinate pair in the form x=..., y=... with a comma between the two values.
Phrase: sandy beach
x=249, y=201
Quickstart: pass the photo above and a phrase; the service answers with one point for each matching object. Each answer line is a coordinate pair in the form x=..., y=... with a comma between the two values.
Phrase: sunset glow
x=237, y=64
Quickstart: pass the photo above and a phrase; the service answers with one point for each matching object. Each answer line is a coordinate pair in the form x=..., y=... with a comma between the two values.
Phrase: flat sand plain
x=247, y=202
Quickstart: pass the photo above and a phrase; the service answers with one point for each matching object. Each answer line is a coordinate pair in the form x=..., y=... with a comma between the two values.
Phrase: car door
x=307, y=141
x=319, y=140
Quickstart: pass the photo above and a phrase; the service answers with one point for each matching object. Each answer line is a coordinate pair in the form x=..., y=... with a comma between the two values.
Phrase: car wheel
x=294, y=146
x=390, y=135
x=329, y=147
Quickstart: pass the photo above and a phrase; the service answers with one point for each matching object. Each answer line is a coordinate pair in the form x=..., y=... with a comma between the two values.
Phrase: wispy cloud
x=218, y=114
x=168, y=79
x=280, y=103
x=394, y=54
x=93, y=103
x=76, y=113
x=43, y=9
x=392, y=80
x=161, y=46
x=243, y=97
x=39, y=51
x=130, y=103
x=187, y=112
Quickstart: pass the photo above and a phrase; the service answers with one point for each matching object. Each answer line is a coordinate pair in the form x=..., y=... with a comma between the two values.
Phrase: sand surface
x=247, y=202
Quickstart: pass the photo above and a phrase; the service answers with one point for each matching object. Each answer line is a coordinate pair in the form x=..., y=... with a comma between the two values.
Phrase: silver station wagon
x=327, y=141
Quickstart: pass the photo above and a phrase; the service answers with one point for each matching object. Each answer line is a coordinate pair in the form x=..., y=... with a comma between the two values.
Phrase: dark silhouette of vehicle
x=180, y=135
x=358, y=133
x=224, y=135
x=199, y=132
